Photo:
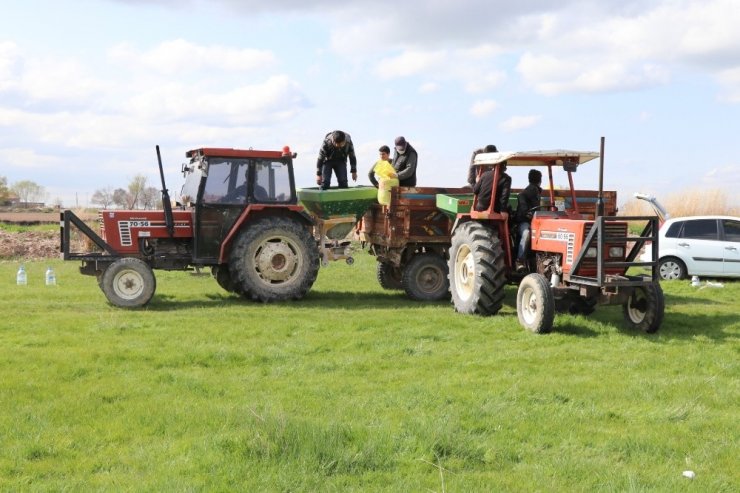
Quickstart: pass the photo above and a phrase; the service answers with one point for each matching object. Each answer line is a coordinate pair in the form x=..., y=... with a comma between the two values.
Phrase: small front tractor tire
x=274, y=259
x=645, y=308
x=128, y=283
x=425, y=278
x=389, y=276
x=535, y=304
x=477, y=271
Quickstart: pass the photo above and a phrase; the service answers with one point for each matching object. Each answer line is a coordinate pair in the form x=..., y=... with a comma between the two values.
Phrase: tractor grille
x=611, y=230
x=124, y=231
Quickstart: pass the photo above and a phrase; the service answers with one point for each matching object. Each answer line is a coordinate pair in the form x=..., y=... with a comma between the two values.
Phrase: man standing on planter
x=335, y=150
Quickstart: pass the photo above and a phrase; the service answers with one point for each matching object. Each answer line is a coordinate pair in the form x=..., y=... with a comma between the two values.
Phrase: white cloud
x=178, y=56
x=277, y=98
x=520, y=122
x=410, y=63
x=9, y=55
x=483, y=107
x=479, y=83
x=28, y=158
x=429, y=88
x=729, y=81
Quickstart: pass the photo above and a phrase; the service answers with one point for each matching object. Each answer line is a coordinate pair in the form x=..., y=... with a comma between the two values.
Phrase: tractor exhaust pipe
x=600, y=198
x=168, y=220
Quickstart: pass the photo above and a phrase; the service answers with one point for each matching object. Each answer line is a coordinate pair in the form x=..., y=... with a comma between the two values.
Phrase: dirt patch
x=35, y=217
x=30, y=245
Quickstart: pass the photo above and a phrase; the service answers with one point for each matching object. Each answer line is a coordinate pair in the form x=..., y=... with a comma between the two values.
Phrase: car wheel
x=670, y=268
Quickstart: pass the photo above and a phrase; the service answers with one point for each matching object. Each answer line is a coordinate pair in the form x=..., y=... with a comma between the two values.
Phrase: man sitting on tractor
x=482, y=189
x=528, y=200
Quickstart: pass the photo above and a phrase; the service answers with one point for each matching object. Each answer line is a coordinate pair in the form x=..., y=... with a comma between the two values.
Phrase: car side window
x=674, y=230
x=732, y=230
x=701, y=229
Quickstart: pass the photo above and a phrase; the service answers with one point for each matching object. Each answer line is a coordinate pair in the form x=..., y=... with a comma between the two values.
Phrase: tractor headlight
x=616, y=252
x=591, y=252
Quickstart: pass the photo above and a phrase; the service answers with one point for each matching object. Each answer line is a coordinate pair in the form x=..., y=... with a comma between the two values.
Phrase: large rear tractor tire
x=223, y=279
x=535, y=304
x=425, y=278
x=274, y=259
x=477, y=271
x=389, y=276
x=645, y=308
x=128, y=283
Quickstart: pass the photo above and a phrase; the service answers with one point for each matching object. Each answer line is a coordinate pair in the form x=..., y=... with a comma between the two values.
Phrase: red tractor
x=239, y=215
x=577, y=259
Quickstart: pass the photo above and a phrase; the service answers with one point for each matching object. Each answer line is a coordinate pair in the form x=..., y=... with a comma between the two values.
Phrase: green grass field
x=358, y=389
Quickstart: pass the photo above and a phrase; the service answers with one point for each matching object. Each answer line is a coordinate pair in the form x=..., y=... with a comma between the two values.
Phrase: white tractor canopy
x=559, y=157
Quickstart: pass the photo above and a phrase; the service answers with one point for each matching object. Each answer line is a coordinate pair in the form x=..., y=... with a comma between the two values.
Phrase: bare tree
x=120, y=198
x=135, y=190
x=103, y=197
x=150, y=198
x=28, y=191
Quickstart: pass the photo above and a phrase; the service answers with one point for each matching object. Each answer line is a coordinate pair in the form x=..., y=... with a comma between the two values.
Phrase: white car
x=698, y=246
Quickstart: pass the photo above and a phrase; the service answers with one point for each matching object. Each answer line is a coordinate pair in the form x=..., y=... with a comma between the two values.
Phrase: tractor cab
x=221, y=183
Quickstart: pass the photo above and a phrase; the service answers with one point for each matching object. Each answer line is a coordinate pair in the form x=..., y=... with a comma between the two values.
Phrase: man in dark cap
x=404, y=161
x=473, y=170
x=335, y=150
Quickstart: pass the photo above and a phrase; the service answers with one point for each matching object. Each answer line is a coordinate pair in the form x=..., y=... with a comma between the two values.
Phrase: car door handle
x=731, y=248
x=683, y=244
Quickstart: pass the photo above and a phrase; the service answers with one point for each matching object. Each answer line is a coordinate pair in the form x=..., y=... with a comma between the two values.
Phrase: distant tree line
x=23, y=192
x=137, y=195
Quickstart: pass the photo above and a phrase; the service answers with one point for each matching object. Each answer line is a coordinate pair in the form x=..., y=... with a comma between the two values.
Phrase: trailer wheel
x=128, y=283
x=535, y=304
x=425, y=278
x=477, y=272
x=389, y=276
x=274, y=259
x=645, y=307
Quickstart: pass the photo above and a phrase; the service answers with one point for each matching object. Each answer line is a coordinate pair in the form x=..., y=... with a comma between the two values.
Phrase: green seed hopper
x=454, y=204
x=337, y=209
x=327, y=204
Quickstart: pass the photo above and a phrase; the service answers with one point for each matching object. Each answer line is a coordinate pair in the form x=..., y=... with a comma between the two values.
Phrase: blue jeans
x=524, y=234
x=339, y=168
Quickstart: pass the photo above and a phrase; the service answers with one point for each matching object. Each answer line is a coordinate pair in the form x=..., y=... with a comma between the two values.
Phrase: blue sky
x=88, y=88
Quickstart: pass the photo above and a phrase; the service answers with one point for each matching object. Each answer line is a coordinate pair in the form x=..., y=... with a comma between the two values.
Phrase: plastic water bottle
x=51, y=278
x=21, y=278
